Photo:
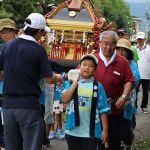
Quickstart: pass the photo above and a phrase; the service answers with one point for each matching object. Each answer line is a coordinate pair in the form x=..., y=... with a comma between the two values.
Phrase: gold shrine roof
x=70, y=25
x=60, y=19
x=63, y=14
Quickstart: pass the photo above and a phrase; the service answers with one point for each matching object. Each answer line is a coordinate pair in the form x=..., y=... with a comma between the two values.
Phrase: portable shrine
x=74, y=32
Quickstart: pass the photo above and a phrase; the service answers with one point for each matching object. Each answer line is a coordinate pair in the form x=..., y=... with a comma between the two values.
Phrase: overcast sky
x=139, y=1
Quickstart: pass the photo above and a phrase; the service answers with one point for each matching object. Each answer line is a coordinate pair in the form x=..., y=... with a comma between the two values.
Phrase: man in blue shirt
x=24, y=63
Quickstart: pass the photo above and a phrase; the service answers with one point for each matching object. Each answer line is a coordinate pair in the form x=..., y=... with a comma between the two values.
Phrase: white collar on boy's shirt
x=104, y=58
x=27, y=37
x=81, y=80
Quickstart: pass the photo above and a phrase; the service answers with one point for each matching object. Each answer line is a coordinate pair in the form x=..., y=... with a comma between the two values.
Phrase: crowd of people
x=100, y=102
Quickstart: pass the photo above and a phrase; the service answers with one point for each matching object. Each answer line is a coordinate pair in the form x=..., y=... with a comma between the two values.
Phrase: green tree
x=16, y=9
x=19, y=9
x=44, y=6
x=114, y=11
x=149, y=35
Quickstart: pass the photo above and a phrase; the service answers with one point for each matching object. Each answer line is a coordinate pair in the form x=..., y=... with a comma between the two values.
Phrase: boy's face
x=87, y=68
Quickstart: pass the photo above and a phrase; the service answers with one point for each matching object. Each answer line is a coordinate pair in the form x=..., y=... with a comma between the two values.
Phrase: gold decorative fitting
x=72, y=13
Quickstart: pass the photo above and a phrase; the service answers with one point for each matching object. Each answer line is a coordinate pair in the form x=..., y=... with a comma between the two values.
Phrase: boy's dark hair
x=88, y=58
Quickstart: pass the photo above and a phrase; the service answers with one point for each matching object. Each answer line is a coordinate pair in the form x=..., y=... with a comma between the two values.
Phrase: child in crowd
x=46, y=141
x=86, y=113
x=48, y=117
x=57, y=109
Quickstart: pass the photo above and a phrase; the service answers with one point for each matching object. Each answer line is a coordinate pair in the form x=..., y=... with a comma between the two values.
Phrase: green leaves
x=18, y=10
x=114, y=11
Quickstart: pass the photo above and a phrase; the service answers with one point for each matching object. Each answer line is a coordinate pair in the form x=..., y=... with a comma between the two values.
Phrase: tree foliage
x=114, y=11
x=19, y=9
x=148, y=34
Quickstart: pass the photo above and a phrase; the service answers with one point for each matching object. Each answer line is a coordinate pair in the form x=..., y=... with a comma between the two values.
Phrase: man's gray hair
x=109, y=33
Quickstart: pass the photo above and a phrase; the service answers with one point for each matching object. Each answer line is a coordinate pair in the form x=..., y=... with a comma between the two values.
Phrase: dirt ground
x=142, y=129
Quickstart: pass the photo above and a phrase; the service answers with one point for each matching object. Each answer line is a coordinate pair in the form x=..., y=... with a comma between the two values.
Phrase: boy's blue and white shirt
x=85, y=91
x=58, y=92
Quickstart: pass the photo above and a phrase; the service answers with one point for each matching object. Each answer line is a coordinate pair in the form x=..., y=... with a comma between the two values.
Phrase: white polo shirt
x=144, y=61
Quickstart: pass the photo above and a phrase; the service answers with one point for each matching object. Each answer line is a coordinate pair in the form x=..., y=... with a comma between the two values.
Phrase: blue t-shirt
x=23, y=63
x=130, y=104
x=85, y=93
x=135, y=71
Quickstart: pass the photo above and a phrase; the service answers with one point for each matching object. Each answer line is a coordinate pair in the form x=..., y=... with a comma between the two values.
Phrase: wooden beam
x=75, y=5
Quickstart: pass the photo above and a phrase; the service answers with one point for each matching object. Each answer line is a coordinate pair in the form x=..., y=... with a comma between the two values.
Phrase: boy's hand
x=74, y=82
x=58, y=77
x=104, y=136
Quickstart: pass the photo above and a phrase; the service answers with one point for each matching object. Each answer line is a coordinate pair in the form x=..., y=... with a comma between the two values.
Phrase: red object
x=114, y=75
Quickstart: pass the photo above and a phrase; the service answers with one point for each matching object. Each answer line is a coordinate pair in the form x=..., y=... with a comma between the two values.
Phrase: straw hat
x=124, y=43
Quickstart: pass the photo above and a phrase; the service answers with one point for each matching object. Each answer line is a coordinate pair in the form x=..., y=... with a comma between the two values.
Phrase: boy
x=86, y=108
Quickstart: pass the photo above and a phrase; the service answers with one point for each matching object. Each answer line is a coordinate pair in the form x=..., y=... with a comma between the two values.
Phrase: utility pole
x=147, y=18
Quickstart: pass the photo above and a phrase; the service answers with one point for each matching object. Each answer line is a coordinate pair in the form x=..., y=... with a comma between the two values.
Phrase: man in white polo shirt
x=144, y=67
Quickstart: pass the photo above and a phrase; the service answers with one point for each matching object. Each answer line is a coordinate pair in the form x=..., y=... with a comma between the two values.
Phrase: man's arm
x=121, y=101
x=53, y=79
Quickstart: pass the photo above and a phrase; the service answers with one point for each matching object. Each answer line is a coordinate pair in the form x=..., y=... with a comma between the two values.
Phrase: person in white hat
x=143, y=51
x=24, y=62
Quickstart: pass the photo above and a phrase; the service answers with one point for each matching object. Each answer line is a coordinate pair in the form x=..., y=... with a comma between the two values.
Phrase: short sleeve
x=67, y=85
x=102, y=105
x=135, y=71
x=44, y=65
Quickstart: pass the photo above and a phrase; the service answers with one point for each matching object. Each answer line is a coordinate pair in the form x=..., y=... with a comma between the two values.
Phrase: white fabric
x=140, y=35
x=91, y=56
x=49, y=85
x=27, y=37
x=144, y=62
x=37, y=22
x=104, y=58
